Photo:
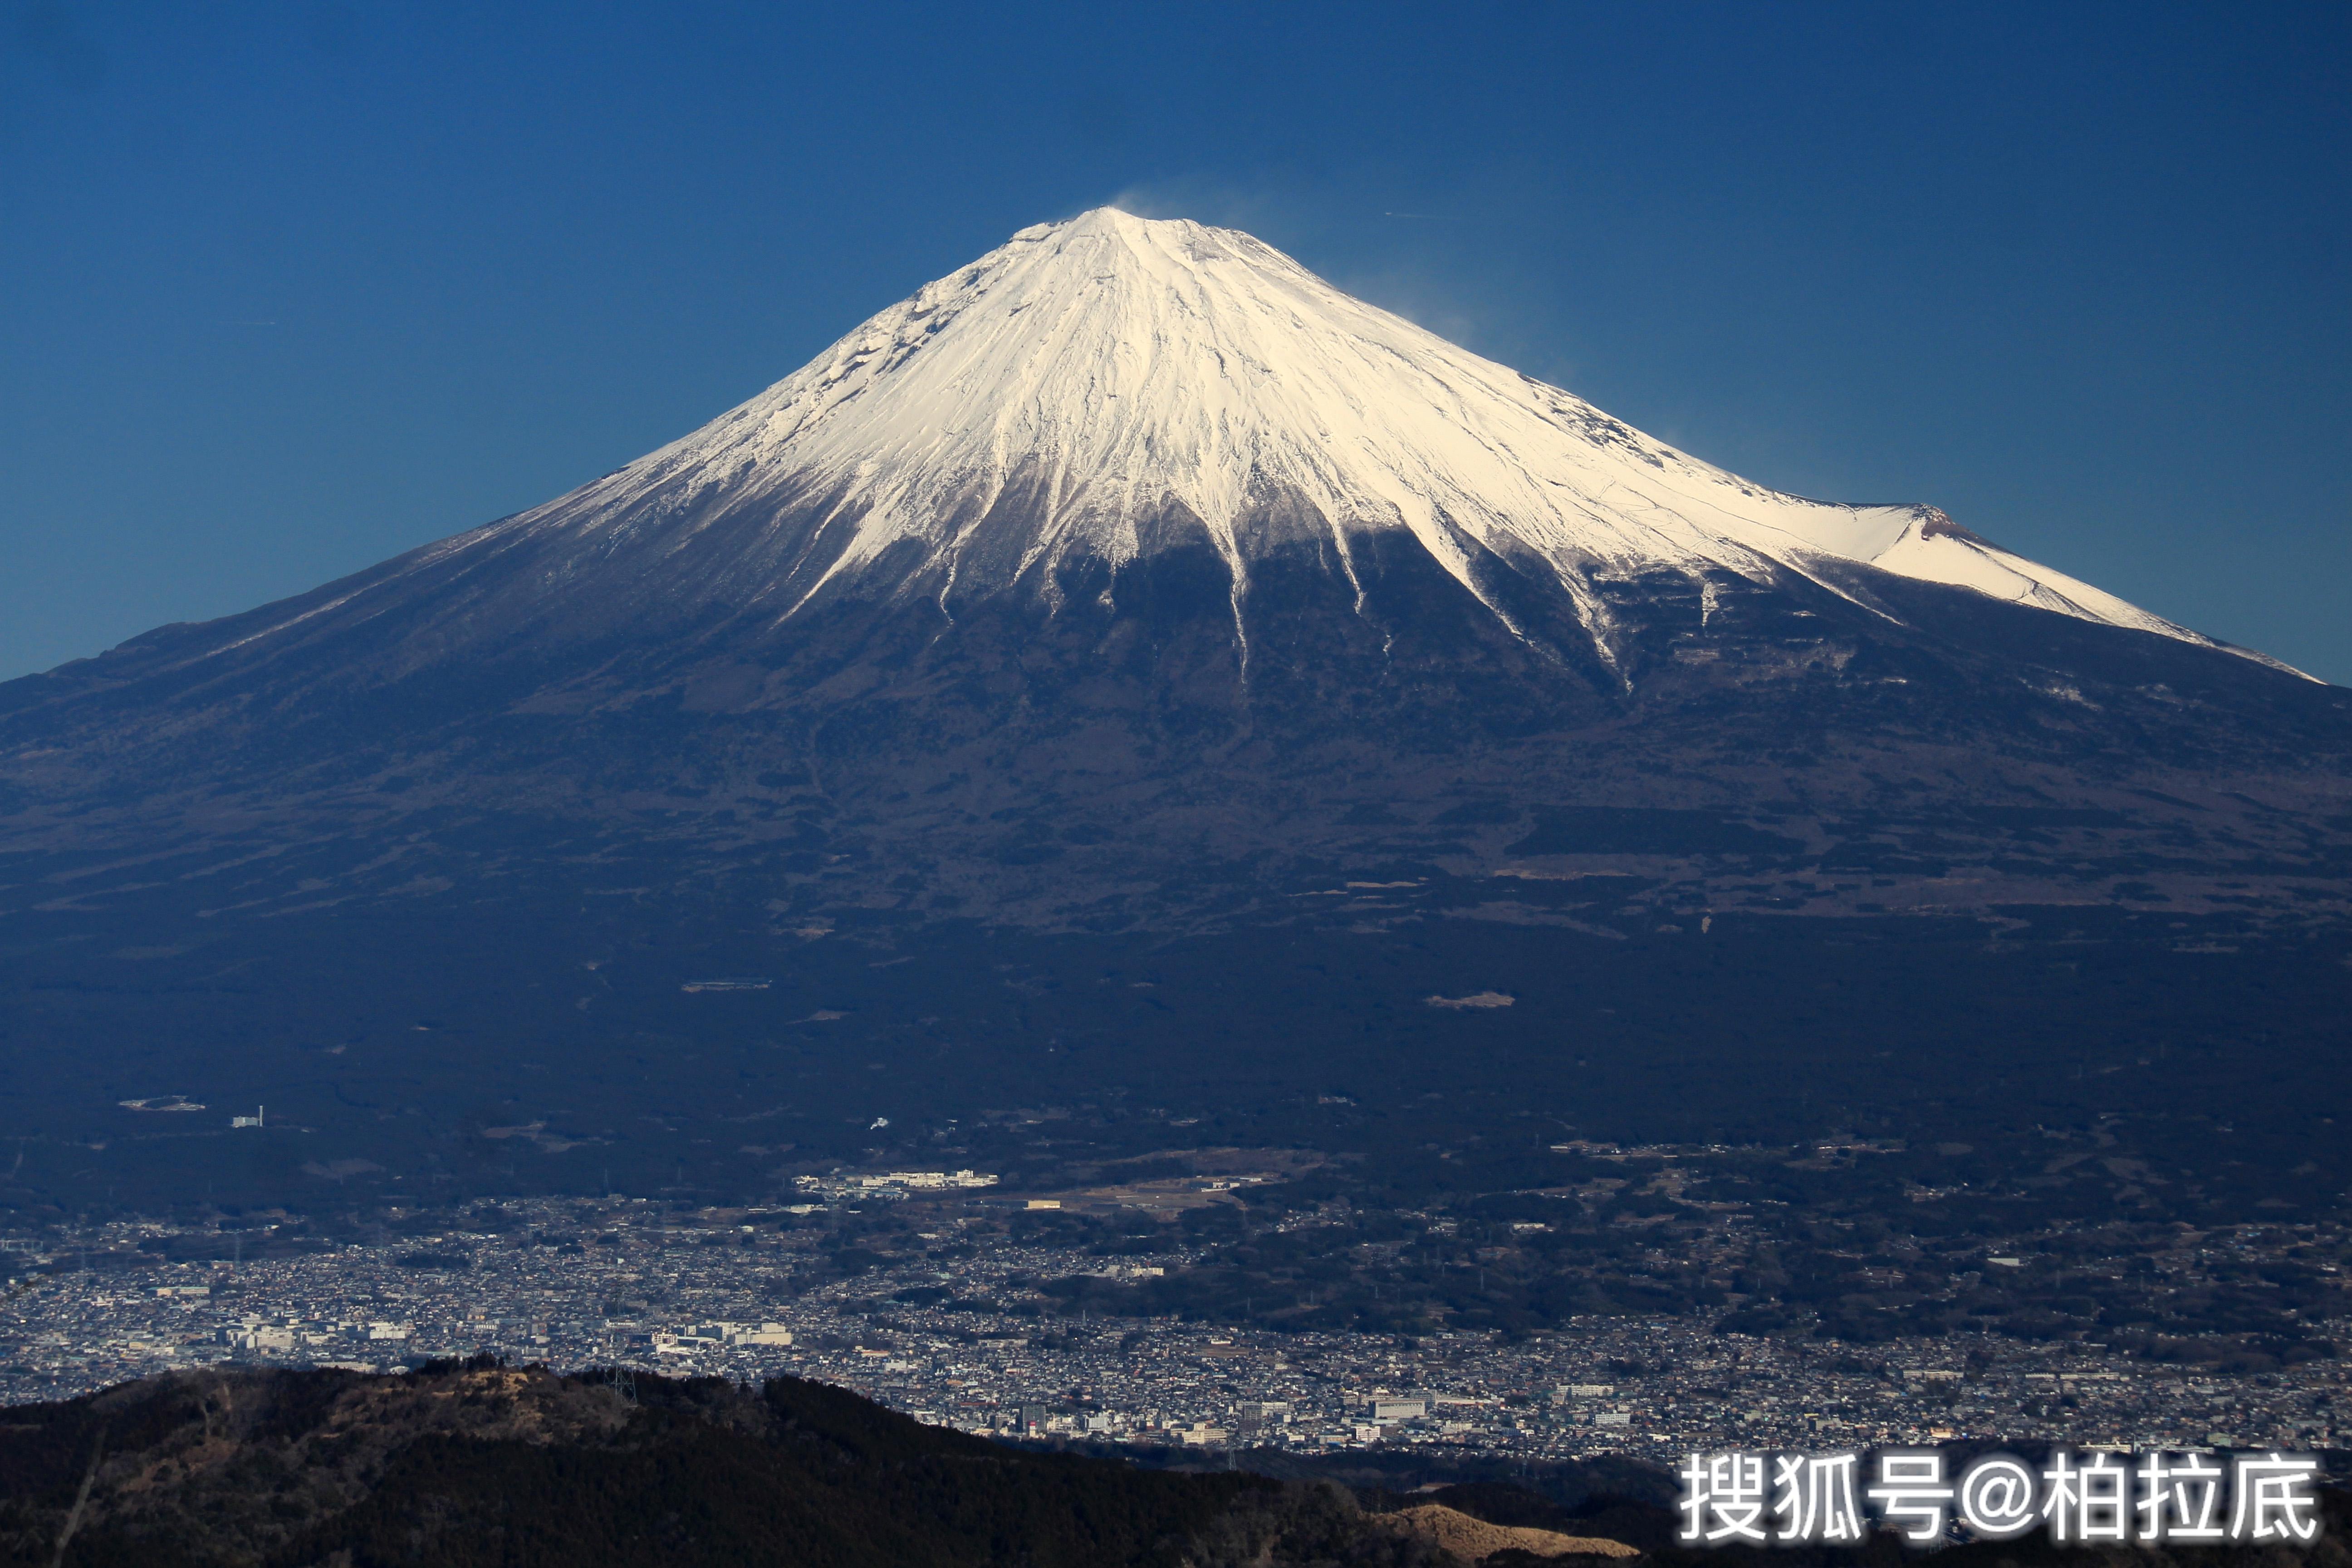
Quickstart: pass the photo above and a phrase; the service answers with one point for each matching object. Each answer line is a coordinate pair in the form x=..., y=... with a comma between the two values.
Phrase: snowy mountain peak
x=1109, y=384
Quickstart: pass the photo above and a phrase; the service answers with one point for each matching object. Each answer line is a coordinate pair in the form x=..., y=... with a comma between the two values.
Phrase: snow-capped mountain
x=1111, y=387
x=1132, y=674
x=1133, y=555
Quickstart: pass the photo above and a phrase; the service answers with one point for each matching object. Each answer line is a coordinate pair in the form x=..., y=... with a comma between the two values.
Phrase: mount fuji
x=1193, y=676
x=1132, y=573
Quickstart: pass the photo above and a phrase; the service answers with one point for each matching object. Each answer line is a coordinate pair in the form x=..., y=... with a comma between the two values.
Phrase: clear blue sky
x=287, y=288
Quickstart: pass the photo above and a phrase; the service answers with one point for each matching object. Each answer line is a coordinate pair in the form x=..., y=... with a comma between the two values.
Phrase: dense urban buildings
x=962, y=1316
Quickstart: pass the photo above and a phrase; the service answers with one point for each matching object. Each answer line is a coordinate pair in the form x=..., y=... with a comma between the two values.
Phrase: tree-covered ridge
x=470, y=1465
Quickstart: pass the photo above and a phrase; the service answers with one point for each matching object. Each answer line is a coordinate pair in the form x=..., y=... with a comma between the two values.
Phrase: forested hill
x=474, y=1465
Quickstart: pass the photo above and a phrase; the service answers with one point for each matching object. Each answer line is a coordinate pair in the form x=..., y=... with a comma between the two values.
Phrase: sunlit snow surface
x=1117, y=370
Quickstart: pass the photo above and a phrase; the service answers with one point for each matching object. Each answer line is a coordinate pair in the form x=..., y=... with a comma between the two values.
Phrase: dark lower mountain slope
x=403, y=875
x=1128, y=760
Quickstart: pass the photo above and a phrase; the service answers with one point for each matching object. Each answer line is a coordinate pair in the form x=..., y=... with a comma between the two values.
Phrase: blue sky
x=287, y=288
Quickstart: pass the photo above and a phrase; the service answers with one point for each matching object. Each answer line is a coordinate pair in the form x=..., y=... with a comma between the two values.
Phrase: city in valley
x=936, y=1295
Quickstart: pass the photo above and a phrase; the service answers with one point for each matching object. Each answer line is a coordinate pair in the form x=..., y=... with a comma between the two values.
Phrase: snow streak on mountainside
x=1106, y=385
